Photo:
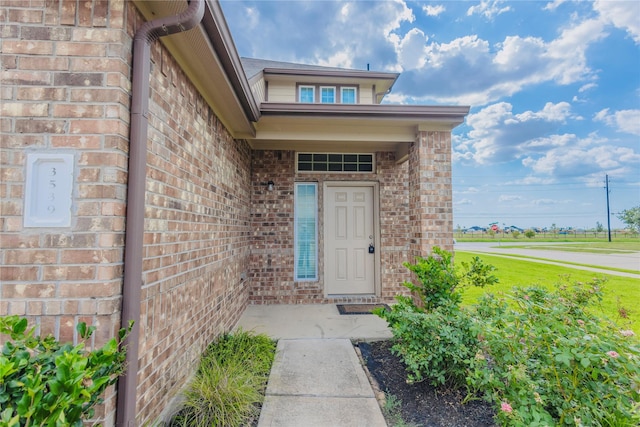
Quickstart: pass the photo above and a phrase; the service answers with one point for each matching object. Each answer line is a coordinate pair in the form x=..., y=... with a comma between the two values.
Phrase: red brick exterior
x=272, y=225
x=215, y=239
x=66, y=88
x=430, y=194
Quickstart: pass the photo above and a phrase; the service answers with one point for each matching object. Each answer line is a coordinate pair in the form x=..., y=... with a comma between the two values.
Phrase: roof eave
x=392, y=111
x=209, y=58
x=218, y=30
x=360, y=74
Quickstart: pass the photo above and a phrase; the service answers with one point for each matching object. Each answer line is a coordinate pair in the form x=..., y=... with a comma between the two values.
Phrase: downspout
x=134, y=233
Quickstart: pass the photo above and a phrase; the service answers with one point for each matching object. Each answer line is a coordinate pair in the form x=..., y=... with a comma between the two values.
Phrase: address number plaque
x=48, y=192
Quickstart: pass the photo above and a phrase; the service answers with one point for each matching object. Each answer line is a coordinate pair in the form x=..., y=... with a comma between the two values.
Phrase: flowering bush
x=542, y=357
x=545, y=360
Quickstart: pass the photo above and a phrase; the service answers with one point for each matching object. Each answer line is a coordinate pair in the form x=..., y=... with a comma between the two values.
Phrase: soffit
x=349, y=127
x=208, y=57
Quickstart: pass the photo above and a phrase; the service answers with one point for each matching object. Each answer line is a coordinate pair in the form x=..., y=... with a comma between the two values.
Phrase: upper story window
x=327, y=95
x=307, y=94
x=338, y=94
x=348, y=95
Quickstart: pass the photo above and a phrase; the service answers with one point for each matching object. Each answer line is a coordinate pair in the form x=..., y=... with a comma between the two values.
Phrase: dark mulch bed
x=422, y=404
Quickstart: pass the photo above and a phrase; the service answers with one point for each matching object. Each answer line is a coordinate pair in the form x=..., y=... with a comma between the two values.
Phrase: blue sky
x=554, y=90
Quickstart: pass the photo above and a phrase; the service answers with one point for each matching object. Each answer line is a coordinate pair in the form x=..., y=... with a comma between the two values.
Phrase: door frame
x=375, y=186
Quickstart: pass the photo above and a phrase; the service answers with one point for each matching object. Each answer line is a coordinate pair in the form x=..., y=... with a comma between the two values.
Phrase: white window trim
x=313, y=91
x=355, y=93
x=295, y=234
x=334, y=94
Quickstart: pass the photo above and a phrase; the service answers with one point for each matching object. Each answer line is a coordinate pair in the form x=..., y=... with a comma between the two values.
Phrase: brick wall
x=65, y=88
x=272, y=250
x=430, y=195
x=196, y=234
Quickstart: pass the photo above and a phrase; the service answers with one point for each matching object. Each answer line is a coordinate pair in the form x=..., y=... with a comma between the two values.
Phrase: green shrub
x=434, y=338
x=230, y=381
x=544, y=360
x=439, y=284
x=529, y=234
x=434, y=345
x=44, y=382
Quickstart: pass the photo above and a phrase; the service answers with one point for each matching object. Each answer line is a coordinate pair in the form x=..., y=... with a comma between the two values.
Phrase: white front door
x=348, y=232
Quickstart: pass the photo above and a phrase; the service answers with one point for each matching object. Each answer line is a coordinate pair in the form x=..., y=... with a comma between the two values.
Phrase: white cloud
x=528, y=180
x=488, y=8
x=545, y=202
x=433, y=10
x=411, y=49
x=468, y=70
x=627, y=121
x=509, y=198
x=551, y=112
x=253, y=17
x=582, y=160
x=463, y=202
x=587, y=87
x=498, y=135
x=553, y=5
x=622, y=14
x=567, y=53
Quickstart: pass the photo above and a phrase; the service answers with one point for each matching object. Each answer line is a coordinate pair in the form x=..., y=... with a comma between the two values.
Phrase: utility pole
x=606, y=180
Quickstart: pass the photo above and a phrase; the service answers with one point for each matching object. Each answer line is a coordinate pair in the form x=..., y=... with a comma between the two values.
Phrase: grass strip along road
x=620, y=293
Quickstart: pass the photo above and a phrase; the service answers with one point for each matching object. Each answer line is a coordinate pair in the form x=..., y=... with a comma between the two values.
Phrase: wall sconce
x=270, y=185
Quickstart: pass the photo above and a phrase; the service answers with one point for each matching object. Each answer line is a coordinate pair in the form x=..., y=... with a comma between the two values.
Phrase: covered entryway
x=349, y=233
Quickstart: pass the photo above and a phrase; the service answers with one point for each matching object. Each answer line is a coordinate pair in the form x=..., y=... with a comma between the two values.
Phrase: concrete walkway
x=316, y=379
x=319, y=383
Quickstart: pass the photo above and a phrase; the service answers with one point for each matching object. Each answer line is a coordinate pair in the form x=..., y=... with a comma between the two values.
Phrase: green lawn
x=619, y=292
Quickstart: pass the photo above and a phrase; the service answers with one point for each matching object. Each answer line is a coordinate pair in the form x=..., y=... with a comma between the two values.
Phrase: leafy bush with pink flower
x=544, y=359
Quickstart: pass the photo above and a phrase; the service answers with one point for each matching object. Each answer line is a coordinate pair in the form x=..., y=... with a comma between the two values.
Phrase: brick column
x=430, y=193
x=64, y=88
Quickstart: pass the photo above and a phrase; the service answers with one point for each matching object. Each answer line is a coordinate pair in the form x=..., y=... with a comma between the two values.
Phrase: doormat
x=359, y=308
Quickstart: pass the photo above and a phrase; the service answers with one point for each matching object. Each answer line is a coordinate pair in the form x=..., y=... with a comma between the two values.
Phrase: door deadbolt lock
x=372, y=249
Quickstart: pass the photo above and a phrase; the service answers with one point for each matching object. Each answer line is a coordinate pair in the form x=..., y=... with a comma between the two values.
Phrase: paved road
x=623, y=260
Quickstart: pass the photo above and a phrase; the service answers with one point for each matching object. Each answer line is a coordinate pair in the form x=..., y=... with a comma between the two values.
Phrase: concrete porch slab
x=312, y=321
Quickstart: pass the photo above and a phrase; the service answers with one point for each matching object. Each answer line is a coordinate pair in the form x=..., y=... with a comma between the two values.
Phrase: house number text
x=49, y=189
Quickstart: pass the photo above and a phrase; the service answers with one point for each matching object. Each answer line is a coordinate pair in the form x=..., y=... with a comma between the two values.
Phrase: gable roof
x=253, y=66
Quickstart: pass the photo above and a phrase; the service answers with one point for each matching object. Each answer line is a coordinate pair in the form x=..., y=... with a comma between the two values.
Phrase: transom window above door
x=335, y=162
